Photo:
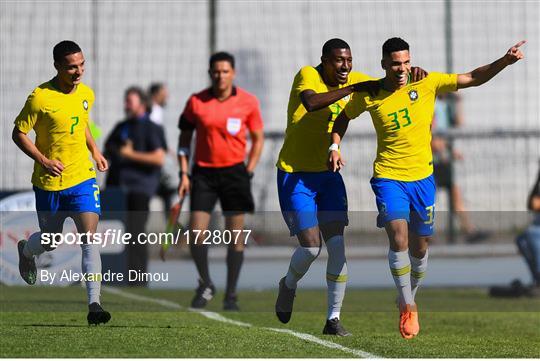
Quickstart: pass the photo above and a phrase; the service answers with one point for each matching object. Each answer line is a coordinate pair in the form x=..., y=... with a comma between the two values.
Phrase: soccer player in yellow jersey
x=313, y=200
x=64, y=178
x=402, y=172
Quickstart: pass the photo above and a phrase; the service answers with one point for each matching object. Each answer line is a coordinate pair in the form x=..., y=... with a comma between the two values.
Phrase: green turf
x=51, y=322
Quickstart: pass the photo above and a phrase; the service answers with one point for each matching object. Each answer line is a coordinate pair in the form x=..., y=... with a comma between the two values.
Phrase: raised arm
x=484, y=73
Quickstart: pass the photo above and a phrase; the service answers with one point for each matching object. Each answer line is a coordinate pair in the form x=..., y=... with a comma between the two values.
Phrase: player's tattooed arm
x=53, y=166
x=101, y=163
x=484, y=73
x=335, y=161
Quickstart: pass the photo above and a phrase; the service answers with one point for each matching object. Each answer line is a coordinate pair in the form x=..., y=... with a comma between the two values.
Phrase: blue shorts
x=54, y=206
x=311, y=198
x=412, y=201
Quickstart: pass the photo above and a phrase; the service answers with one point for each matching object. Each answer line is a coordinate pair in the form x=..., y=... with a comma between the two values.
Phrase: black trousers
x=137, y=253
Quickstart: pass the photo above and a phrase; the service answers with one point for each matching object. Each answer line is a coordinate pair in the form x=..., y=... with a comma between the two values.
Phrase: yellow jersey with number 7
x=402, y=120
x=59, y=121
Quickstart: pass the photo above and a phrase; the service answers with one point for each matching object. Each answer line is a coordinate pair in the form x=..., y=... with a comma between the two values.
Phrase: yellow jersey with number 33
x=402, y=120
x=59, y=121
x=307, y=136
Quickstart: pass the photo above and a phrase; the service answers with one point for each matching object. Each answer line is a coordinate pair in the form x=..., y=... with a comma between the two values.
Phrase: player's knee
x=400, y=241
x=309, y=238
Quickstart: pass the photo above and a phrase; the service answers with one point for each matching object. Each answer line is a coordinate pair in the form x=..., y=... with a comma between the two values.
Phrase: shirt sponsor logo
x=234, y=125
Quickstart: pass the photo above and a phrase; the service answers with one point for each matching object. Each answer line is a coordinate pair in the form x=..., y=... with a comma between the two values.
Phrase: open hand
x=101, y=162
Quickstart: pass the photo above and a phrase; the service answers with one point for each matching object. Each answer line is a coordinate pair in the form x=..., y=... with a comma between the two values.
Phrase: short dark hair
x=155, y=88
x=394, y=44
x=221, y=56
x=140, y=93
x=63, y=48
x=334, y=44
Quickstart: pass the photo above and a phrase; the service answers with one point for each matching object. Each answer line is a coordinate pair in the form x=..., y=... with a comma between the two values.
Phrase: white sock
x=400, y=267
x=418, y=272
x=300, y=262
x=91, y=266
x=336, y=275
x=33, y=247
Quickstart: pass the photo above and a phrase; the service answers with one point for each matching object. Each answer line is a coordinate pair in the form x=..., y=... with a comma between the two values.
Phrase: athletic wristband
x=183, y=151
x=333, y=147
x=181, y=174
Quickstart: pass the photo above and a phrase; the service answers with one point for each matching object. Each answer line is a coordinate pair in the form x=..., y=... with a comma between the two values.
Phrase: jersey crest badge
x=413, y=95
x=234, y=125
x=85, y=104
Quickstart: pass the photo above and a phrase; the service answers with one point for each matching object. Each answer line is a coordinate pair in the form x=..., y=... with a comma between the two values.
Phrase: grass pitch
x=51, y=322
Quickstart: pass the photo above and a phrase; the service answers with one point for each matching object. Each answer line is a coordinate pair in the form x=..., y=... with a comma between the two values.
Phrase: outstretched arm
x=313, y=101
x=484, y=73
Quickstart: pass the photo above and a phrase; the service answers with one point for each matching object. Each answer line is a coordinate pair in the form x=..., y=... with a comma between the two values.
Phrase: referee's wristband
x=181, y=174
x=334, y=146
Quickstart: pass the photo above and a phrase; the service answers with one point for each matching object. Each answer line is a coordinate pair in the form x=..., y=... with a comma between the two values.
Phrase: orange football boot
x=408, y=321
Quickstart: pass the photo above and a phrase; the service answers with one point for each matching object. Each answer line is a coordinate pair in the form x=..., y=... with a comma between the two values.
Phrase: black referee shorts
x=231, y=185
